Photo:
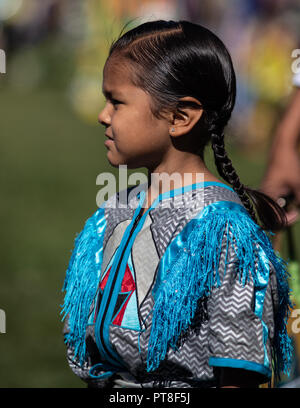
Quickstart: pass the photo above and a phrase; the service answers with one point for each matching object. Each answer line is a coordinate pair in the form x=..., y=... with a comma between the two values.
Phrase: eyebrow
x=111, y=94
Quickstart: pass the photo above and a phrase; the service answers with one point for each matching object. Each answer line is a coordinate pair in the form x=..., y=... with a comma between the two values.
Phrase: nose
x=104, y=116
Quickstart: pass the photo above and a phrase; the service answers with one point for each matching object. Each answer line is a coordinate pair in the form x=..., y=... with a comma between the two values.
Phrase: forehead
x=116, y=76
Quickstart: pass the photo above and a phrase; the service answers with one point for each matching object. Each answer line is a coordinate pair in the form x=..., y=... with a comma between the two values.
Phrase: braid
x=228, y=172
x=271, y=215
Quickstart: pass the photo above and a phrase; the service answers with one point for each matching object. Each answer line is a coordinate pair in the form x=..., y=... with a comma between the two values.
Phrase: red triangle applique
x=127, y=289
x=128, y=285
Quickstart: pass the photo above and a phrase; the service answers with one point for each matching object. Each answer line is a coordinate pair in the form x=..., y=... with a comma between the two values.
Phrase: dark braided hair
x=171, y=60
x=271, y=215
x=227, y=171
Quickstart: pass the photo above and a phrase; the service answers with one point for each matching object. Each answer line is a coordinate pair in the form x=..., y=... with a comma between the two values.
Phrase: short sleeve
x=241, y=319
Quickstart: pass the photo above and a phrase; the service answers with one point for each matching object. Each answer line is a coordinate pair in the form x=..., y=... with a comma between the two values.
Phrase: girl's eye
x=115, y=102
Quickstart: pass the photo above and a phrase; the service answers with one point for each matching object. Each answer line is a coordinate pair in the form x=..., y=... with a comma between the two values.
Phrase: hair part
x=173, y=59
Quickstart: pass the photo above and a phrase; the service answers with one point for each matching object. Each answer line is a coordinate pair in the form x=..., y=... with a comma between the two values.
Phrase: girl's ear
x=185, y=118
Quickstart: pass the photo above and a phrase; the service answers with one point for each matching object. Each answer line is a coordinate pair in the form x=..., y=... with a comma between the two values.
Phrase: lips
x=109, y=141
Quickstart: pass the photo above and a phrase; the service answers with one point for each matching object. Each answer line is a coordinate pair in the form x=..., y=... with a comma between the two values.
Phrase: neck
x=185, y=169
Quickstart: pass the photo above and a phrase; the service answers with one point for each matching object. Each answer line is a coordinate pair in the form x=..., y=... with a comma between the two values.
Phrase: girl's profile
x=167, y=295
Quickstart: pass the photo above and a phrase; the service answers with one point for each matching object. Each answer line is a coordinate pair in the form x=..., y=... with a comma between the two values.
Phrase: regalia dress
x=167, y=296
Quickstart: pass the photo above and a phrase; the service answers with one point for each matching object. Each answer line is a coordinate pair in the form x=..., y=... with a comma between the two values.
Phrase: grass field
x=49, y=161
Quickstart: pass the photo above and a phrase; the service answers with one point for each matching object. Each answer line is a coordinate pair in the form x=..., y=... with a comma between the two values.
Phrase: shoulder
x=212, y=193
x=219, y=192
x=221, y=205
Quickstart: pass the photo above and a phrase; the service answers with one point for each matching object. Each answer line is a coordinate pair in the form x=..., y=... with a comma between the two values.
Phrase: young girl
x=161, y=294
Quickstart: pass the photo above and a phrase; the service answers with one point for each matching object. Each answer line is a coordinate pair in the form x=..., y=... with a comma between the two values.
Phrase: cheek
x=120, y=125
x=137, y=129
x=127, y=128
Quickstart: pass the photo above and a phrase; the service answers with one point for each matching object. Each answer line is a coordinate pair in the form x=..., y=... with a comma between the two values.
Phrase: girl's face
x=134, y=136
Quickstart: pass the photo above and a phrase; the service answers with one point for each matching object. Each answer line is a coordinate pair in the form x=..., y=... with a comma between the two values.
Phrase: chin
x=117, y=163
x=129, y=163
x=113, y=164
x=112, y=160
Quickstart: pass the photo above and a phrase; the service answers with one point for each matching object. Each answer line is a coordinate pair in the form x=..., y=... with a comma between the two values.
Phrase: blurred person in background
x=29, y=24
x=282, y=176
x=282, y=182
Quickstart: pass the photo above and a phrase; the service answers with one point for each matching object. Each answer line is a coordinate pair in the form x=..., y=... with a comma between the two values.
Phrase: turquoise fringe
x=194, y=273
x=191, y=276
x=80, y=285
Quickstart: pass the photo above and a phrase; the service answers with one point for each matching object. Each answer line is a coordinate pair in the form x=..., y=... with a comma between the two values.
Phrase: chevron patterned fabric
x=226, y=331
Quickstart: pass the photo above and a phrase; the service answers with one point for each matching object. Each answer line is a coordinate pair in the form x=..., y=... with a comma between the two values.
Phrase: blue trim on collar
x=182, y=190
x=190, y=187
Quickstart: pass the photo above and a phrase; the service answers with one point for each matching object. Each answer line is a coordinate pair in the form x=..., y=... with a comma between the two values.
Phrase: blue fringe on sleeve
x=81, y=282
x=194, y=272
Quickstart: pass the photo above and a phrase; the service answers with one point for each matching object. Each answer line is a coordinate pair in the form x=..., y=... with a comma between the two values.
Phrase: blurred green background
x=51, y=151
